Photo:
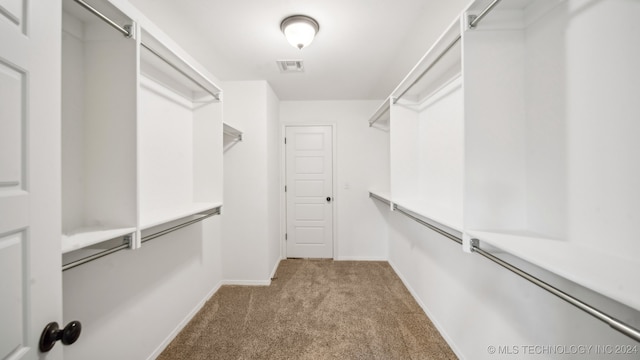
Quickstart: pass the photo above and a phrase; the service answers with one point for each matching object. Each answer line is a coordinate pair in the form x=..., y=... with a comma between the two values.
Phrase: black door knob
x=52, y=333
x=328, y=198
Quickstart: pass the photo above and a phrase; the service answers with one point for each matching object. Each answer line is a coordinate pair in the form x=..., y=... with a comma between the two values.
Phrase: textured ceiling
x=362, y=51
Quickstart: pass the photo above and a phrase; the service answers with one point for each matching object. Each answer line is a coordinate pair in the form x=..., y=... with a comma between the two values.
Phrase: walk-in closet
x=321, y=179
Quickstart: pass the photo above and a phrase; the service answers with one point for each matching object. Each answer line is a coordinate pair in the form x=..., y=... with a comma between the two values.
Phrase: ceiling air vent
x=290, y=66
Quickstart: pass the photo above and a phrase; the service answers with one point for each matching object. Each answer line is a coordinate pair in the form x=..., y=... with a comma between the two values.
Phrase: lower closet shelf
x=443, y=216
x=85, y=237
x=165, y=215
x=607, y=274
x=383, y=195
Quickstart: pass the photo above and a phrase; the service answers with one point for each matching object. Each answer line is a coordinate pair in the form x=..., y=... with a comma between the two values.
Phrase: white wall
x=250, y=228
x=362, y=164
x=273, y=180
x=132, y=302
x=476, y=303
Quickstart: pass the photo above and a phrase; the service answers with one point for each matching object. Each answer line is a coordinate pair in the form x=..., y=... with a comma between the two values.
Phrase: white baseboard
x=431, y=317
x=247, y=282
x=275, y=268
x=183, y=323
x=360, y=258
x=254, y=282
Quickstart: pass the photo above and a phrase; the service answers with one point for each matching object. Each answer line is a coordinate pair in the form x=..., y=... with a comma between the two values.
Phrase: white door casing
x=309, y=194
x=30, y=255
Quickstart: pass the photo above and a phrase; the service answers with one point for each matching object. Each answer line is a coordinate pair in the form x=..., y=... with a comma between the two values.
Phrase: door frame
x=283, y=179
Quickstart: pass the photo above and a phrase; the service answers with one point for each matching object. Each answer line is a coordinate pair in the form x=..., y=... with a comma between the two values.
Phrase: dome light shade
x=299, y=30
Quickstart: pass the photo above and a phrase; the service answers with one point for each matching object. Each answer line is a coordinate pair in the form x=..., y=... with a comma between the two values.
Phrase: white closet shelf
x=386, y=195
x=85, y=237
x=607, y=274
x=439, y=64
x=230, y=130
x=163, y=64
x=382, y=116
x=441, y=215
x=163, y=216
x=436, y=94
x=231, y=136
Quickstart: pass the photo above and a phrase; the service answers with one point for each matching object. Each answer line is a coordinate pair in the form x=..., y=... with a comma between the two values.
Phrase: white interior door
x=309, y=181
x=30, y=260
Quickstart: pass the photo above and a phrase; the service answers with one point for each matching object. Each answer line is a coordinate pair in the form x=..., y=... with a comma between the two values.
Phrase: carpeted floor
x=314, y=309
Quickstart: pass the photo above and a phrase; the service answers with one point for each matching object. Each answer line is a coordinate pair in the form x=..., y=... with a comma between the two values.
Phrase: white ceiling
x=362, y=51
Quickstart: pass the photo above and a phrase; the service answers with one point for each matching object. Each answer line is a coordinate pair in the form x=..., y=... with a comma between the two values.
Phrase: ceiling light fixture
x=299, y=30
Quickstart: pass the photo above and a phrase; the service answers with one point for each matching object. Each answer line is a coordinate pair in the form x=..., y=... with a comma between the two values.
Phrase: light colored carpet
x=314, y=309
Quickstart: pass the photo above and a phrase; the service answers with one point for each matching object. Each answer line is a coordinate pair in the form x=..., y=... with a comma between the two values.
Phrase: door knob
x=52, y=333
x=328, y=198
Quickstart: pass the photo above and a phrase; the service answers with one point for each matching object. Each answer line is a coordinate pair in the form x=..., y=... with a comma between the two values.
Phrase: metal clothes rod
x=215, y=96
x=372, y=195
x=442, y=54
x=382, y=109
x=611, y=321
x=123, y=29
x=475, y=20
x=432, y=227
x=238, y=137
x=180, y=226
x=95, y=256
x=127, y=243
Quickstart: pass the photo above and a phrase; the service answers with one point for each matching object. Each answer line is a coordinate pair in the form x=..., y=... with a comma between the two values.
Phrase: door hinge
x=285, y=236
x=285, y=188
x=285, y=141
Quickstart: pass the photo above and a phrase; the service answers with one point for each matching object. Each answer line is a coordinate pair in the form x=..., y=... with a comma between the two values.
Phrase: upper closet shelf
x=106, y=14
x=381, y=117
x=165, y=215
x=166, y=67
x=441, y=63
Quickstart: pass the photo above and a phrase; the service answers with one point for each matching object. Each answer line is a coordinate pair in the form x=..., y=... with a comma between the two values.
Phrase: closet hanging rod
x=612, y=322
x=215, y=96
x=125, y=30
x=128, y=238
x=379, y=198
x=205, y=215
x=382, y=109
x=475, y=247
x=84, y=260
x=408, y=214
x=474, y=20
x=235, y=134
x=435, y=61
x=236, y=137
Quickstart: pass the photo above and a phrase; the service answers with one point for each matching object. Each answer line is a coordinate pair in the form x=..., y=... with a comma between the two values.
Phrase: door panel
x=12, y=11
x=309, y=168
x=11, y=126
x=30, y=256
x=12, y=284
